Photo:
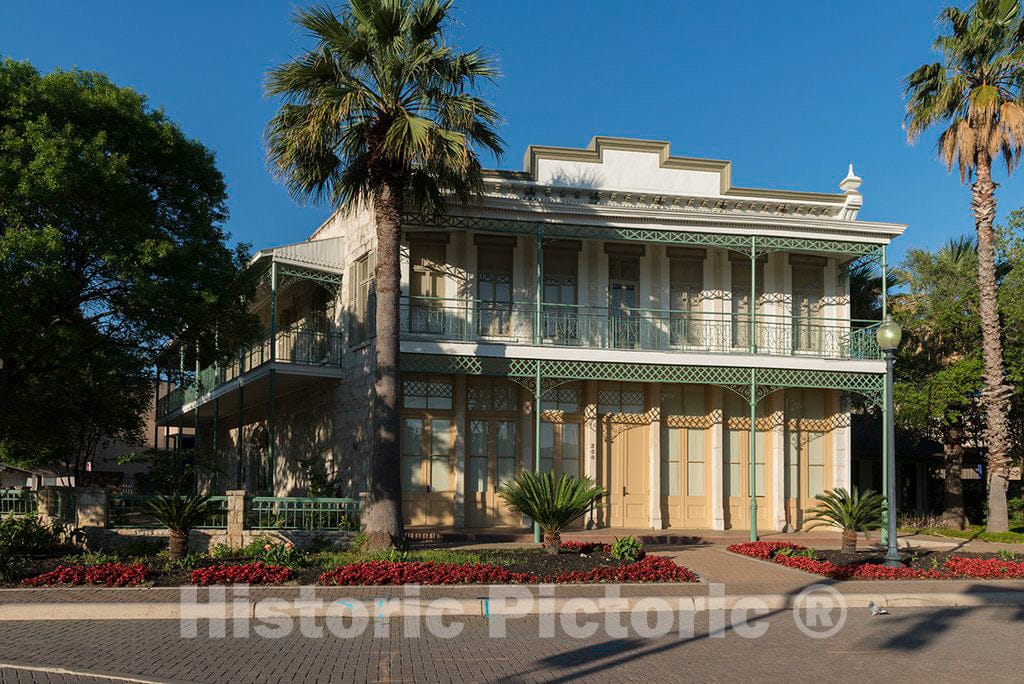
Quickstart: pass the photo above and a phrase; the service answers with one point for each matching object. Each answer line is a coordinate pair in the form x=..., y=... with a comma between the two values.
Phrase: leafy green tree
x=111, y=241
x=381, y=112
x=976, y=93
x=940, y=368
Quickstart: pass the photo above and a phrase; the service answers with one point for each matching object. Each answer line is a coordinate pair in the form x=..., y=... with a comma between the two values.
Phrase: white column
x=526, y=430
x=776, y=408
x=654, y=454
x=717, y=435
x=842, y=445
x=460, y=450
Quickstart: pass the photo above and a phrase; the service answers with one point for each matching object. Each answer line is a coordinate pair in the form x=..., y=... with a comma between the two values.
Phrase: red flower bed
x=109, y=574
x=954, y=568
x=648, y=569
x=585, y=547
x=249, y=573
x=421, y=572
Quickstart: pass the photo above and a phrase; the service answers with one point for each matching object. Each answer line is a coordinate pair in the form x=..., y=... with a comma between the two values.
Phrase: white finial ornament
x=851, y=183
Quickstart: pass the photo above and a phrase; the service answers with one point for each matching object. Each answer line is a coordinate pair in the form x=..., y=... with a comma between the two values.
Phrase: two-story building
x=614, y=312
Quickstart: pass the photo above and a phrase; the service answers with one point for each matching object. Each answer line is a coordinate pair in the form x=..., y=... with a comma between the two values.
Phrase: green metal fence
x=298, y=513
x=636, y=328
x=18, y=502
x=130, y=511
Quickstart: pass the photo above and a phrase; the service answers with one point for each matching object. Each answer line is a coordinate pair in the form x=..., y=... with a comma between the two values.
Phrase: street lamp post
x=888, y=335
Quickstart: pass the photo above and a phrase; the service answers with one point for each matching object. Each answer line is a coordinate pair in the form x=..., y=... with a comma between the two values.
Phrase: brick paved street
x=939, y=645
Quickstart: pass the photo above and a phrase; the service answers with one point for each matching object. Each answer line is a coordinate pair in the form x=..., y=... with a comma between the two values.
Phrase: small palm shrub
x=181, y=515
x=852, y=513
x=552, y=502
x=627, y=549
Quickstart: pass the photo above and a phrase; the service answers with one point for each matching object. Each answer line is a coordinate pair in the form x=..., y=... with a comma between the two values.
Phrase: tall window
x=561, y=292
x=808, y=291
x=427, y=310
x=686, y=293
x=362, y=304
x=683, y=416
x=741, y=304
x=623, y=300
x=494, y=286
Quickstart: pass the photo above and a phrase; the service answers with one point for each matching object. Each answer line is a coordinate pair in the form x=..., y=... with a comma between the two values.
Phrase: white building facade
x=614, y=312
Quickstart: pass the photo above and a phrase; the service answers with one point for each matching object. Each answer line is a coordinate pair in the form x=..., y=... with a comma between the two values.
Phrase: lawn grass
x=1014, y=536
x=332, y=559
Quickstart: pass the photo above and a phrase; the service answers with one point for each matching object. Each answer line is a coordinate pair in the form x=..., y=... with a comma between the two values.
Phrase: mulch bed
x=867, y=564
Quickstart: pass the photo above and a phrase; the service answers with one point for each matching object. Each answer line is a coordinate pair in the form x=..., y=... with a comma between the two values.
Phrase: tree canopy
x=111, y=241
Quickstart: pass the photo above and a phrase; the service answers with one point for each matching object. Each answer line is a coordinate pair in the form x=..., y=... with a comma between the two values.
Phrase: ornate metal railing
x=640, y=329
x=292, y=346
x=18, y=502
x=298, y=513
x=131, y=511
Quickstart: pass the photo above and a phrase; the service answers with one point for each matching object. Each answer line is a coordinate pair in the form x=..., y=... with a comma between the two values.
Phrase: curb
x=510, y=605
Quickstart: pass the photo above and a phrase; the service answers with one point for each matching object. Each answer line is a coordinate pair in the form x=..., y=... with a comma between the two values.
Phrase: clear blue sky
x=791, y=92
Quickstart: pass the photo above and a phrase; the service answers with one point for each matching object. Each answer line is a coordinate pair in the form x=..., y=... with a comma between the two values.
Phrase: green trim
x=740, y=243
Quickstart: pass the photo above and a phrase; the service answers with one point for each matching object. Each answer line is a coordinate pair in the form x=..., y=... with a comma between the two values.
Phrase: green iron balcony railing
x=638, y=329
x=292, y=346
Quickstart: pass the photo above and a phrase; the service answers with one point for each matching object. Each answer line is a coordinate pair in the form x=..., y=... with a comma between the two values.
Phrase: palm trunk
x=953, y=484
x=849, y=541
x=383, y=513
x=995, y=397
x=178, y=548
x=552, y=542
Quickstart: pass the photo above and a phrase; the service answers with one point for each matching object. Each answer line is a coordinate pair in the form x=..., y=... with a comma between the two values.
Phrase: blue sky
x=790, y=92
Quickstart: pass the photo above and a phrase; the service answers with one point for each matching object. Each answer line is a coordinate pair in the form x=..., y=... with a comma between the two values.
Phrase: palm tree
x=381, y=112
x=852, y=513
x=180, y=515
x=552, y=502
x=975, y=92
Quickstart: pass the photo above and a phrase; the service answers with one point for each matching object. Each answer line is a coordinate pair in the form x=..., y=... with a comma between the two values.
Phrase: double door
x=491, y=448
x=626, y=461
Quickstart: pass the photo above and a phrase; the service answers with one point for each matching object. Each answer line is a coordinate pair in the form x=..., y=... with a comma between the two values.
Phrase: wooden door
x=736, y=484
x=428, y=483
x=490, y=462
x=684, y=477
x=627, y=468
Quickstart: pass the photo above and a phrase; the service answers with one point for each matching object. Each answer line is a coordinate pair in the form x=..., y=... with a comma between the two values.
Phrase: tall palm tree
x=975, y=92
x=382, y=111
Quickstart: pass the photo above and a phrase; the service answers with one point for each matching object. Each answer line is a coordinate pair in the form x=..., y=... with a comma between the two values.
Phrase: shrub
x=248, y=573
x=273, y=552
x=627, y=549
x=1015, y=509
x=851, y=512
x=109, y=574
x=181, y=515
x=28, y=535
x=223, y=551
x=552, y=502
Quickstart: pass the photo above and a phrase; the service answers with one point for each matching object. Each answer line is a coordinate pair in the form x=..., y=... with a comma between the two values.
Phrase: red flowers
x=648, y=569
x=249, y=573
x=421, y=572
x=585, y=547
x=954, y=568
x=109, y=574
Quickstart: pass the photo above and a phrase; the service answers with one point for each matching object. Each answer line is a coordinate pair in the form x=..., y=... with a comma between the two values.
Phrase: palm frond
x=552, y=502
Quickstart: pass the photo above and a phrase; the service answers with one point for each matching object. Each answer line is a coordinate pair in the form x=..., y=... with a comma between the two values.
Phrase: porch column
x=536, y=430
x=841, y=435
x=716, y=433
x=776, y=409
x=156, y=410
x=528, y=436
x=654, y=454
x=215, y=442
x=239, y=442
x=181, y=384
x=753, y=305
x=459, y=398
x=538, y=296
x=752, y=451
x=590, y=441
x=272, y=385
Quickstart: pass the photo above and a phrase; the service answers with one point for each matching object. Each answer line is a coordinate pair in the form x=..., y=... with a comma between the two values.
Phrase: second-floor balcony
x=663, y=330
x=288, y=347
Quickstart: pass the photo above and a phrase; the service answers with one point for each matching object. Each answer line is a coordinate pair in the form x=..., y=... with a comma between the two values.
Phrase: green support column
x=195, y=422
x=239, y=448
x=156, y=404
x=753, y=295
x=271, y=410
x=215, y=442
x=885, y=397
x=752, y=449
x=536, y=436
x=181, y=384
x=538, y=287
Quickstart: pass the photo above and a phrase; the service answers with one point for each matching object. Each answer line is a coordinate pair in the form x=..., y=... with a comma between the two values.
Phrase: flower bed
x=105, y=574
x=249, y=573
x=648, y=569
x=421, y=572
x=954, y=567
x=585, y=547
